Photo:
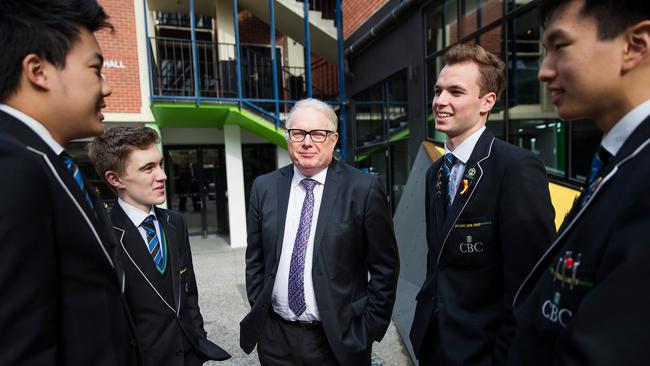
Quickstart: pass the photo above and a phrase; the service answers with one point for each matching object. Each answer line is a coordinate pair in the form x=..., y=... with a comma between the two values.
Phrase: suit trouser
x=285, y=343
x=430, y=354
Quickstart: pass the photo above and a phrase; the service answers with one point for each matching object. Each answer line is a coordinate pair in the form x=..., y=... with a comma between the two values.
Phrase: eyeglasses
x=297, y=135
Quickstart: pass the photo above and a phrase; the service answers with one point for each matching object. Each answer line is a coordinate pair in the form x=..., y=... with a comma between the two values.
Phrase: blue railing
x=173, y=73
x=200, y=71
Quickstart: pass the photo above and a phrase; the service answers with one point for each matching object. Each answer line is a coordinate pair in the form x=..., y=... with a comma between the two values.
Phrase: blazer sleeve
x=382, y=260
x=526, y=228
x=191, y=292
x=254, y=250
x=611, y=324
x=28, y=264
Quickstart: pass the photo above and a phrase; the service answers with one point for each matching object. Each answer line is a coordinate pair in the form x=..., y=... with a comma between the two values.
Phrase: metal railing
x=173, y=70
x=204, y=71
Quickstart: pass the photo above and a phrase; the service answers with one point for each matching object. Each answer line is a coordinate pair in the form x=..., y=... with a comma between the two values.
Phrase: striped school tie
x=449, y=162
x=600, y=161
x=155, y=249
x=76, y=174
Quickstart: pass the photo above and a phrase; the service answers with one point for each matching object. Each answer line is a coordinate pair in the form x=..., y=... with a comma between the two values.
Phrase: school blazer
x=60, y=273
x=480, y=251
x=586, y=301
x=168, y=324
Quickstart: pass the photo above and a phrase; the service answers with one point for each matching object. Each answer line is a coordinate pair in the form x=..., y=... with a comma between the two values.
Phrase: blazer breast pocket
x=471, y=242
x=343, y=245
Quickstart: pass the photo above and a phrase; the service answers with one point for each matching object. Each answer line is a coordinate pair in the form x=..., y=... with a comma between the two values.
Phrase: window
x=524, y=115
x=382, y=133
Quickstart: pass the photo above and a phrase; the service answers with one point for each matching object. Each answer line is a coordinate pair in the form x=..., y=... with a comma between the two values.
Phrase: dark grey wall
x=400, y=48
x=410, y=230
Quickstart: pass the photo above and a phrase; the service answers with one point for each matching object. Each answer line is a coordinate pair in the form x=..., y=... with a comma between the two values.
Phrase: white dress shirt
x=280, y=299
x=615, y=138
x=35, y=126
x=137, y=216
x=462, y=153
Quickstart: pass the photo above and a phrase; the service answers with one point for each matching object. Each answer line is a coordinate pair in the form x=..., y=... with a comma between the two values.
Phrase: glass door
x=196, y=187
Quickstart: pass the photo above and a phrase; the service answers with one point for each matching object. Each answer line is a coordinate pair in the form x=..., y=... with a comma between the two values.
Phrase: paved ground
x=222, y=297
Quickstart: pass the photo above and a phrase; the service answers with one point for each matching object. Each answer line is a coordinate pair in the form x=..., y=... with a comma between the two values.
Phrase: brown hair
x=111, y=149
x=492, y=69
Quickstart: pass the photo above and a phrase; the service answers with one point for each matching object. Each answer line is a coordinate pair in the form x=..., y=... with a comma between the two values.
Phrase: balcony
x=173, y=74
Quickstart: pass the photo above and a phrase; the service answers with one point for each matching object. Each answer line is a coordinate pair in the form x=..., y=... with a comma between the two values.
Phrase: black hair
x=612, y=17
x=47, y=28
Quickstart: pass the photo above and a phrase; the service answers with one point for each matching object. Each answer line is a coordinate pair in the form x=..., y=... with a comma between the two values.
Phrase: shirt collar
x=463, y=151
x=298, y=176
x=136, y=215
x=35, y=126
x=614, y=139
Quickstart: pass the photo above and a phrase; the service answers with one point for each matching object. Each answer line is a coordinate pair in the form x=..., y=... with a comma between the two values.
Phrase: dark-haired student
x=62, y=284
x=586, y=301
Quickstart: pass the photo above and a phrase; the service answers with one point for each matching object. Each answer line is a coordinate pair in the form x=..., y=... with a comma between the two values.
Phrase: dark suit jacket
x=167, y=326
x=62, y=283
x=480, y=251
x=599, y=316
x=354, y=236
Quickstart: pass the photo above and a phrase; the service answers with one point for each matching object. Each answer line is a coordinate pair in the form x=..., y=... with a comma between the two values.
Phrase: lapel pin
x=471, y=173
x=465, y=187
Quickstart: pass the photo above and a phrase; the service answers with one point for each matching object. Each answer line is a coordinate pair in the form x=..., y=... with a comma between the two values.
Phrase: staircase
x=289, y=20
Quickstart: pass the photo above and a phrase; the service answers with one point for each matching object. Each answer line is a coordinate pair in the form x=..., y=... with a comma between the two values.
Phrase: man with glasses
x=316, y=229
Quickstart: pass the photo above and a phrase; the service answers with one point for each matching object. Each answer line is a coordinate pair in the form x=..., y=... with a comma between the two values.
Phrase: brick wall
x=356, y=12
x=121, y=54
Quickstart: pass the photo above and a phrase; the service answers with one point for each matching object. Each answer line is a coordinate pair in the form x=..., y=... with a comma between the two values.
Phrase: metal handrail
x=173, y=69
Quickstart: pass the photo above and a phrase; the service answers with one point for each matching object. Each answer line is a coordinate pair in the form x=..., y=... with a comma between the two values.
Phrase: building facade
x=203, y=74
x=390, y=109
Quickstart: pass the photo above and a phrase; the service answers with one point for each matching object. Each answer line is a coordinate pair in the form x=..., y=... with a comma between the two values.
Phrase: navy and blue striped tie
x=155, y=249
x=600, y=161
x=448, y=163
x=76, y=174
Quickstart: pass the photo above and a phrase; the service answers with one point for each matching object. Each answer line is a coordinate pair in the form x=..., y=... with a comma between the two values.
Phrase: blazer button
x=179, y=352
x=441, y=266
x=133, y=342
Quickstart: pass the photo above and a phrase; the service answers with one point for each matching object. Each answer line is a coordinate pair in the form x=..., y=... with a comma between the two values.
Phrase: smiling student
x=61, y=284
x=489, y=218
x=162, y=290
x=586, y=302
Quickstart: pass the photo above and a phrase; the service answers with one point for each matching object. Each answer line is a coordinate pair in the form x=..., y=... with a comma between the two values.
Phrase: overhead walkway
x=169, y=115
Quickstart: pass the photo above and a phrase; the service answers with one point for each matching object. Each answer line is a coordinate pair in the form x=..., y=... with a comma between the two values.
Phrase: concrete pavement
x=222, y=297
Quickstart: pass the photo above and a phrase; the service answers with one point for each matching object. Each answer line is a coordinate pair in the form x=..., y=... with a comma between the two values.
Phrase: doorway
x=196, y=187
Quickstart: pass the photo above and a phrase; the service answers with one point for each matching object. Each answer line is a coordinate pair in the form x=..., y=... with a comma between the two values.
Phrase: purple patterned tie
x=297, y=267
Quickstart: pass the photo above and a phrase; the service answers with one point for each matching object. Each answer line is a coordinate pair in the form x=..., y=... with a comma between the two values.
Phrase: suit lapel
x=173, y=249
x=439, y=202
x=283, y=189
x=473, y=168
x=136, y=250
x=328, y=202
x=638, y=140
x=35, y=144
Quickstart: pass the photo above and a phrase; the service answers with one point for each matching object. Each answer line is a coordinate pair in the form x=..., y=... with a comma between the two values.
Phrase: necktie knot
x=601, y=159
x=309, y=184
x=148, y=225
x=449, y=162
